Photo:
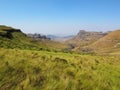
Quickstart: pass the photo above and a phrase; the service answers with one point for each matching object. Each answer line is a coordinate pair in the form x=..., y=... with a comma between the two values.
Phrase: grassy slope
x=109, y=44
x=33, y=70
x=53, y=44
x=109, y=40
x=15, y=39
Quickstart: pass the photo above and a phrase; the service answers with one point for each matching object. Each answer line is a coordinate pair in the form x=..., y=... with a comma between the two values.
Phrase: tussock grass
x=42, y=70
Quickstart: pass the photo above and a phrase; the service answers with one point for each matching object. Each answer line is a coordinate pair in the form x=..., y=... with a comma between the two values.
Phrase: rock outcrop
x=84, y=38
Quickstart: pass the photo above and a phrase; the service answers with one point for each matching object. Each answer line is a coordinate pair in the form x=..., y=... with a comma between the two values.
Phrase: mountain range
x=84, y=41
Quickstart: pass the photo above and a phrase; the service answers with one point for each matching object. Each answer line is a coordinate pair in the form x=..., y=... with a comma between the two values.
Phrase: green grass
x=42, y=70
x=19, y=41
x=14, y=38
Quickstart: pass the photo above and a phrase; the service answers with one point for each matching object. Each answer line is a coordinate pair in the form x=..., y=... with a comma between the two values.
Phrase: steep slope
x=109, y=43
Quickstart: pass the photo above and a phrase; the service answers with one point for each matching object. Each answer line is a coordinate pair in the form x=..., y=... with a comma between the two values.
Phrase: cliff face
x=97, y=42
x=84, y=38
x=88, y=36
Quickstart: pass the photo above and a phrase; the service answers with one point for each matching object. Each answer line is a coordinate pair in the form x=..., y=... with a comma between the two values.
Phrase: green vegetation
x=15, y=38
x=28, y=64
x=42, y=70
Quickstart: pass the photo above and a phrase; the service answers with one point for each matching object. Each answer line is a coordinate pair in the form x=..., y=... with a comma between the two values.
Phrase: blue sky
x=63, y=17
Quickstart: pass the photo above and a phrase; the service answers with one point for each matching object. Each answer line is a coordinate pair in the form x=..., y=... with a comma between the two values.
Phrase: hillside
x=15, y=38
x=84, y=38
x=109, y=43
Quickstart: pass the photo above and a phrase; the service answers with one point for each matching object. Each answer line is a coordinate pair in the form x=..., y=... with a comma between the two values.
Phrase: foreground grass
x=41, y=70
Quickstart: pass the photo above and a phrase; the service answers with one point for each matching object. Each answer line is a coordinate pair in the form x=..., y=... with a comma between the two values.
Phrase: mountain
x=15, y=38
x=85, y=38
x=84, y=41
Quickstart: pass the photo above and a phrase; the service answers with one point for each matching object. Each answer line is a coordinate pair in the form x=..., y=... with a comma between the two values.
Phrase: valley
x=81, y=63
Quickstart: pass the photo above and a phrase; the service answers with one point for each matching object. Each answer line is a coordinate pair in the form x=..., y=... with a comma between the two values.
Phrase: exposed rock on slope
x=85, y=38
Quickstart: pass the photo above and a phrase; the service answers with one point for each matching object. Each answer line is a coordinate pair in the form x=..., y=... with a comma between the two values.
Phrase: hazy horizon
x=60, y=17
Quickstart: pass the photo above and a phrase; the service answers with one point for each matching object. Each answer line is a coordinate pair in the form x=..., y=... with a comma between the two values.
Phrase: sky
x=60, y=17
